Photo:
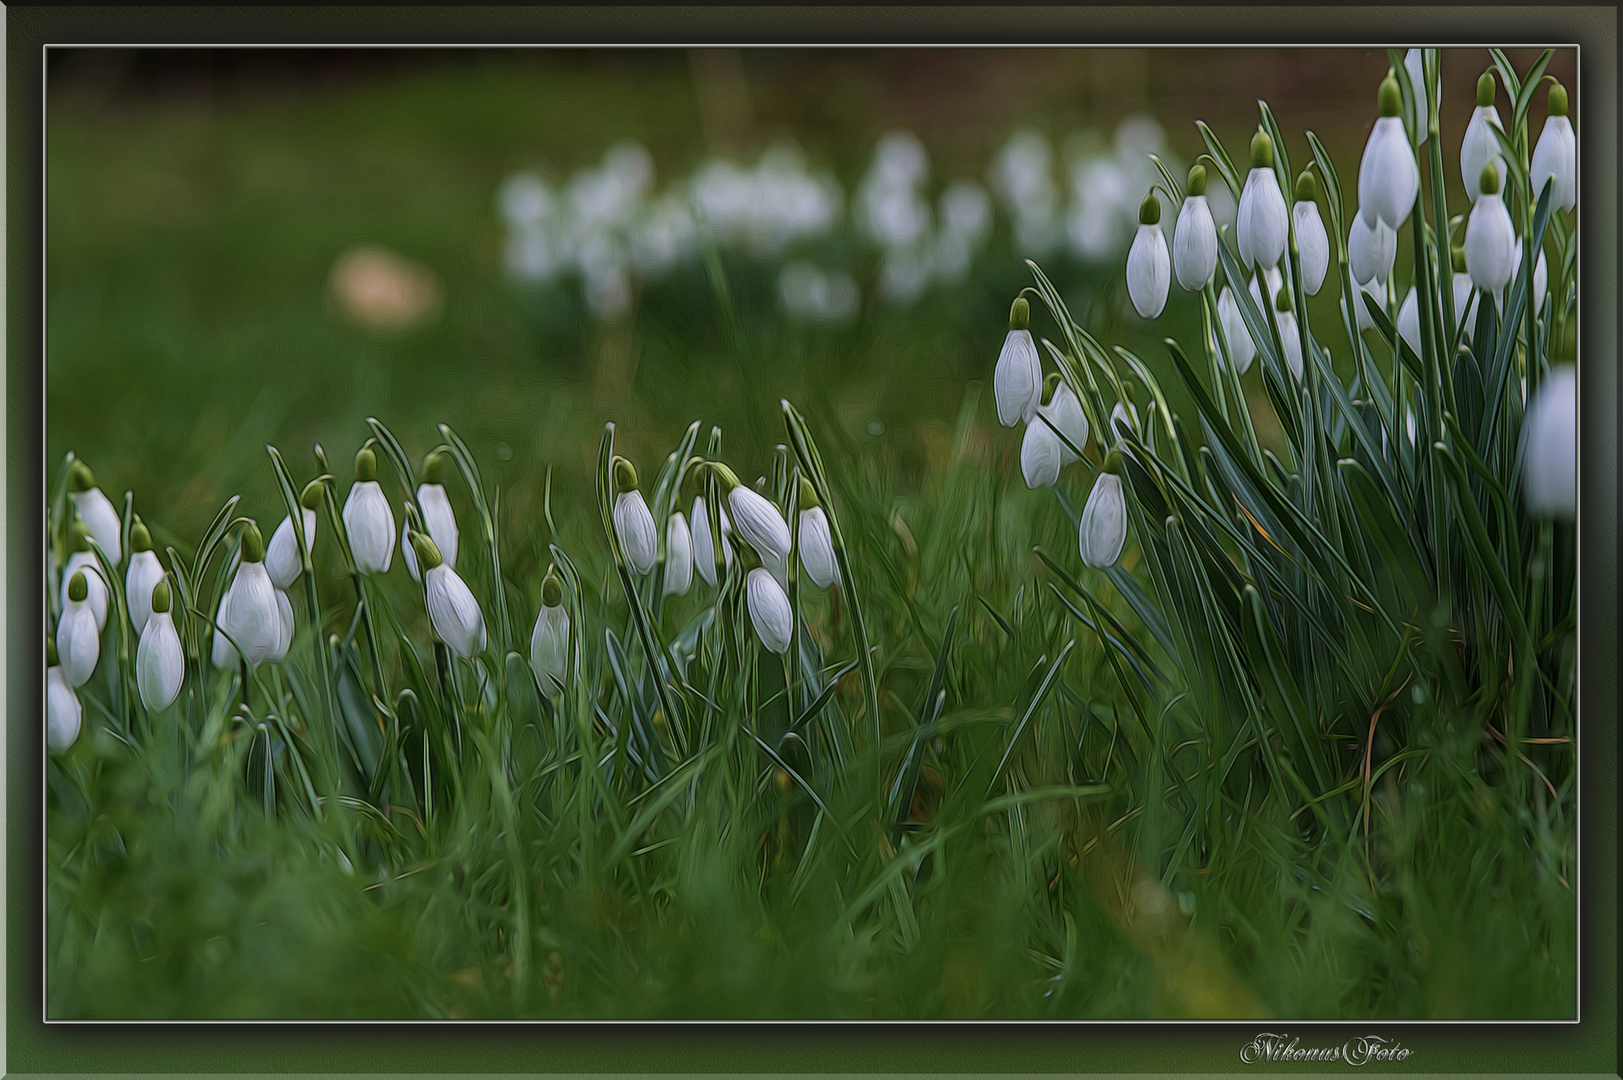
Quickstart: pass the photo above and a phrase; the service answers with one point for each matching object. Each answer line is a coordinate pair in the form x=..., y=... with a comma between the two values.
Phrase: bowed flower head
x=249, y=616
x=1040, y=449
x=1242, y=350
x=1388, y=177
x=756, y=520
x=451, y=606
x=95, y=511
x=1550, y=434
x=78, y=638
x=1263, y=223
x=1312, y=241
x=704, y=553
x=437, y=515
x=1017, y=380
x=145, y=571
x=633, y=522
x=1490, y=238
x=1372, y=248
x=367, y=517
x=282, y=559
x=1417, y=80
x=62, y=710
x=1555, y=158
x=816, y=541
x=769, y=610
x=1480, y=148
x=549, y=642
x=159, y=662
x=1104, y=518
x=84, y=559
x=1149, y=266
x=678, y=556
x=1194, y=240
x=1290, y=337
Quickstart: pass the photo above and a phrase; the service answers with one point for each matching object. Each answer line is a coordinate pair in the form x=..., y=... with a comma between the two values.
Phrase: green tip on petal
x=1307, y=188
x=552, y=589
x=79, y=537
x=50, y=653
x=1149, y=211
x=428, y=552
x=1556, y=104
x=253, y=544
x=1486, y=88
x=1262, y=150
x=1456, y=255
x=1490, y=179
x=366, y=464
x=1112, y=463
x=80, y=478
x=625, y=476
x=160, y=596
x=1197, y=180
x=1019, y=314
x=140, y=538
x=1390, y=98
x=78, y=588
x=310, y=497
x=434, y=468
x=808, y=494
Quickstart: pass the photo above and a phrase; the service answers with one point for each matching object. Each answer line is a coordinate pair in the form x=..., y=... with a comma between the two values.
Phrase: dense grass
x=1034, y=829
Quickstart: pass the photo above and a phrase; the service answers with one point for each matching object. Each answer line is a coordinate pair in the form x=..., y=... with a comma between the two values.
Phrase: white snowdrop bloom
x=78, y=639
x=1412, y=61
x=452, y=609
x=63, y=714
x=284, y=628
x=1263, y=225
x=83, y=559
x=282, y=559
x=756, y=520
x=95, y=511
x=145, y=571
x=1264, y=289
x=1372, y=248
x=1290, y=336
x=678, y=556
x=1490, y=238
x=159, y=662
x=1040, y=455
x=1194, y=238
x=1149, y=265
x=221, y=653
x=1017, y=380
x=1550, y=441
x=367, y=517
x=816, y=540
x=704, y=557
x=1312, y=241
x=769, y=610
x=437, y=516
x=1479, y=148
x=249, y=616
x=1465, y=295
x=1064, y=413
x=1104, y=519
x=549, y=641
x=1409, y=320
x=1555, y=158
x=1388, y=175
x=1242, y=350
x=633, y=522
x=1541, y=272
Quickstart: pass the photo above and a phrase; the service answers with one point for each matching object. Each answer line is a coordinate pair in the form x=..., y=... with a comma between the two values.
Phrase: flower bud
x=1486, y=90
x=1019, y=314
x=428, y=553
x=1018, y=373
x=63, y=714
x=758, y=523
x=1262, y=150
x=249, y=614
x=1103, y=529
x=1388, y=175
x=634, y=525
x=1262, y=224
x=1149, y=211
x=366, y=464
x=369, y=522
x=452, y=609
x=434, y=468
x=625, y=476
x=1149, y=266
x=678, y=556
x=160, y=598
x=1490, y=238
x=140, y=537
x=817, y=547
x=78, y=638
x=1480, y=147
x=160, y=665
x=310, y=497
x=80, y=478
x=1389, y=100
x=253, y=544
x=1555, y=158
x=704, y=552
x=144, y=573
x=1197, y=180
x=77, y=589
x=549, y=642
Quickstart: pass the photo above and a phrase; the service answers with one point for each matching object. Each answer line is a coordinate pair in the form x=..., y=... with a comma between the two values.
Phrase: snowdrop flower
x=62, y=710
x=221, y=653
x=816, y=540
x=249, y=616
x=1263, y=222
x=1242, y=350
x=1040, y=455
x=1550, y=442
x=282, y=559
x=704, y=554
x=549, y=642
x=1555, y=158
x=1417, y=80
x=1290, y=337
x=1312, y=241
x=1063, y=412
x=678, y=556
x=1017, y=381
x=284, y=628
x=755, y=519
x=145, y=571
x=451, y=607
x=1372, y=248
x=159, y=662
x=1388, y=176
x=95, y=511
x=84, y=559
x=1465, y=294
x=1149, y=266
x=437, y=515
x=769, y=610
x=1490, y=238
x=633, y=523
x=1104, y=518
x=1409, y=320
x=367, y=517
x=1194, y=239
x=1480, y=148
x=1541, y=271
x=78, y=638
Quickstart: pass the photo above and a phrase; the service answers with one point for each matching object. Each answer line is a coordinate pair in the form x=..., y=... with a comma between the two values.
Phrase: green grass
x=588, y=857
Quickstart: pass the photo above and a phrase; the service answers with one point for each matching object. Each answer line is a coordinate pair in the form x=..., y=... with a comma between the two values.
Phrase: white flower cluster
x=892, y=211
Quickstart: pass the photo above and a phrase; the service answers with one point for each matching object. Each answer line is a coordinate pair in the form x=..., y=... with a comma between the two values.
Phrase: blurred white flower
x=1022, y=176
x=1479, y=147
x=63, y=713
x=1550, y=439
x=810, y=295
x=678, y=556
x=1103, y=530
x=769, y=610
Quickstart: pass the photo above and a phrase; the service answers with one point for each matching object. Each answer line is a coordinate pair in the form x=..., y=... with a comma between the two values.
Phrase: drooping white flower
x=549, y=641
x=96, y=511
x=1149, y=266
x=160, y=664
x=1290, y=337
x=78, y=638
x=367, y=517
x=63, y=713
x=1262, y=223
x=82, y=558
x=1388, y=176
x=1104, y=519
x=452, y=609
x=704, y=553
x=633, y=522
x=284, y=628
x=1541, y=272
x=1040, y=455
x=1555, y=158
x=1242, y=350
x=1372, y=248
x=145, y=572
x=282, y=560
x=1194, y=237
x=1312, y=241
x=249, y=615
x=756, y=520
x=221, y=653
x=1480, y=148
x=1417, y=81
x=1409, y=320
x=1550, y=440
x=816, y=540
x=678, y=556
x=1017, y=380
x=438, y=517
x=769, y=610
x=1490, y=238
x=1265, y=289
x=1064, y=413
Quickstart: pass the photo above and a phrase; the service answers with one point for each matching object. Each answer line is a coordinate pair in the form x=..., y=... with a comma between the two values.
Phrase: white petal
x=678, y=556
x=635, y=526
x=1465, y=301
x=282, y=559
x=1556, y=157
x=549, y=647
x=1242, y=350
x=78, y=642
x=454, y=612
x=1479, y=147
x=1039, y=455
x=1372, y=248
x=62, y=711
x=95, y=584
x=1194, y=244
x=1313, y=244
x=407, y=552
x=1262, y=223
x=439, y=519
x=1388, y=176
x=759, y=523
x=1017, y=381
x=102, y=520
x=769, y=610
x=142, y=577
x=1550, y=433
x=1104, y=522
x=1149, y=271
x=370, y=524
x=222, y=655
x=1417, y=81
x=1490, y=244
x=159, y=663
x=249, y=616
x=817, y=548
x=1291, y=338
x=703, y=553
x=284, y=628
x=1409, y=320
x=1064, y=413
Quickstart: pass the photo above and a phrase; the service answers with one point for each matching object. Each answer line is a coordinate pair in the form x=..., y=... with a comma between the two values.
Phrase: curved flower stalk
x=1388, y=176
x=96, y=511
x=63, y=713
x=816, y=542
x=1124, y=419
x=1103, y=530
x=549, y=641
x=1017, y=380
x=83, y=559
x=1242, y=350
x=1194, y=238
x=78, y=638
x=1480, y=148
x=1149, y=266
x=704, y=558
x=633, y=522
x=367, y=517
x=282, y=559
x=1550, y=435
x=1312, y=241
x=769, y=610
x=1555, y=158
x=1263, y=222
x=160, y=665
x=249, y=615
x=1490, y=238
x=145, y=572
x=678, y=556
x=452, y=609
